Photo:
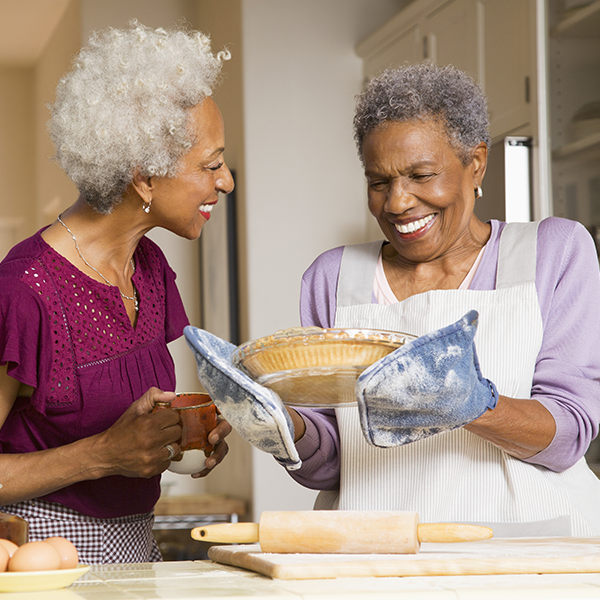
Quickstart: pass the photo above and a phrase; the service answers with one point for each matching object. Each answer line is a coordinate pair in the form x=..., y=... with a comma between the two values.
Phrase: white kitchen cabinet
x=407, y=44
x=451, y=37
x=574, y=91
x=508, y=65
x=493, y=40
x=398, y=41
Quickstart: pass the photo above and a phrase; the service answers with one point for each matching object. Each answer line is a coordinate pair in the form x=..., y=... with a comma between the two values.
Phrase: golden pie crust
x=311, y=366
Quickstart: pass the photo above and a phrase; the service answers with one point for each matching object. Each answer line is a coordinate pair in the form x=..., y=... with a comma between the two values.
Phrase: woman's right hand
x=135, y=446
x=254, y=411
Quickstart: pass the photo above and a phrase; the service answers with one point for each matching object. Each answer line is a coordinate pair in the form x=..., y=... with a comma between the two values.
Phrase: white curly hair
x=125, y=106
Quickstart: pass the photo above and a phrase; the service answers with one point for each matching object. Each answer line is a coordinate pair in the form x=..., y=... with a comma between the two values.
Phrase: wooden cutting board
x=499, y=556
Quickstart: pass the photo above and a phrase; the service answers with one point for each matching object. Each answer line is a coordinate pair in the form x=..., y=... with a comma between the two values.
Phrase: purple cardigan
x=70, y=338
x=567, y=373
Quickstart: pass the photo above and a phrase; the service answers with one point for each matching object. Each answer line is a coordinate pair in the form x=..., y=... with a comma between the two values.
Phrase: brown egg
x=35, y=556
x=69, y=557
x=4, y=558
x=10, y=546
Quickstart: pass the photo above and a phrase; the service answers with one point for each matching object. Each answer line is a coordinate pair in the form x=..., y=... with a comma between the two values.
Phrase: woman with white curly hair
x=89, y=303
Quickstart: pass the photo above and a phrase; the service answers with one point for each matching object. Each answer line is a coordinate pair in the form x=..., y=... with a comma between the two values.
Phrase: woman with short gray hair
x=89, y=303
x=486, y=417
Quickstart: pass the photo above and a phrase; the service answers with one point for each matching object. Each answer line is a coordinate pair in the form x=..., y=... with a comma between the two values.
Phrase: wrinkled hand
x=254, y=411
x=430, y=385
x=135, y=446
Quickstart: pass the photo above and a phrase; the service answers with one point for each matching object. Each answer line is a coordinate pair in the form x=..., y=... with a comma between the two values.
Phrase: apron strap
x=357, y=273
x=517, y=257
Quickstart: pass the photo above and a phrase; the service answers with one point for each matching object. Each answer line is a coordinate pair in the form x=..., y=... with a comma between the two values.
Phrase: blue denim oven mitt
x=430, y=385
x=254, y=411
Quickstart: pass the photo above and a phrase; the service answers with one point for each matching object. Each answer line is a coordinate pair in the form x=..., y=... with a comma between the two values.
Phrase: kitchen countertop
x=206, y=579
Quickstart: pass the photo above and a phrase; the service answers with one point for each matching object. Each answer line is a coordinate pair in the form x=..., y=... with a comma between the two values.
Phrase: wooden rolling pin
x=340, y=532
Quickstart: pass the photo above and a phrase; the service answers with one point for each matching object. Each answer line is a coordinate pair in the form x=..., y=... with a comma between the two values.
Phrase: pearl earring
x=478, y=192
x=146, y=207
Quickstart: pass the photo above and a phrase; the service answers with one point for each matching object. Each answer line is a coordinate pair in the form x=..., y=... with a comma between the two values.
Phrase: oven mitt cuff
x=430, y=385
x=254, y=411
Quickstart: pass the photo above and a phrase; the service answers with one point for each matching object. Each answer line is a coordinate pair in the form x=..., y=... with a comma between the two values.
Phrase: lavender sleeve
x=567, y=372
x=319, y=288
x=319, y=447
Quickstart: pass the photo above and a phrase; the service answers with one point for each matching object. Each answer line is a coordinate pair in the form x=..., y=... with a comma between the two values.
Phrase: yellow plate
x=34, y=581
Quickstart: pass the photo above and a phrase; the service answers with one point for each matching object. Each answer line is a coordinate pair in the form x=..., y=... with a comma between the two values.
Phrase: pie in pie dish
x=311, y=366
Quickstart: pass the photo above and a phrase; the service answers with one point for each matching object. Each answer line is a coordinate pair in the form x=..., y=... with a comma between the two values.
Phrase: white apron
x=458, y=476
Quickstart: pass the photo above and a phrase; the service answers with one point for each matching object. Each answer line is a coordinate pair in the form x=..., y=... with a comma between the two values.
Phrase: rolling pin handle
x=448, y=533
x=227, y=533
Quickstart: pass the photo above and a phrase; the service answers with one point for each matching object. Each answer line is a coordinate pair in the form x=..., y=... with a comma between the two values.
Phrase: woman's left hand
x=217, y=438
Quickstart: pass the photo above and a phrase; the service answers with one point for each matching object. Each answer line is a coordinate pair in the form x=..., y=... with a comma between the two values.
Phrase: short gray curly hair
x=124, y=106
x=426, y=91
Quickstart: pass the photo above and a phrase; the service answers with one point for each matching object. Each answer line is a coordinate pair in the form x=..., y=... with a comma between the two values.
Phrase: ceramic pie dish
x=311, y=366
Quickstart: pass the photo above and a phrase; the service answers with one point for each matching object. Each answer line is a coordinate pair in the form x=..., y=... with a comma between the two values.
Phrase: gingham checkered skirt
x=98, y=541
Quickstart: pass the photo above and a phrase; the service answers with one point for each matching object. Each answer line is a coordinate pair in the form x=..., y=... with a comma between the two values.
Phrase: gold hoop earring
x=146, y=206
x=478, y=192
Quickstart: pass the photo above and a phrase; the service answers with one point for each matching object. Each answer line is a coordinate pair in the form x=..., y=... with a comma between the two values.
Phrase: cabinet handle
x=425, y=47
x=527, y=90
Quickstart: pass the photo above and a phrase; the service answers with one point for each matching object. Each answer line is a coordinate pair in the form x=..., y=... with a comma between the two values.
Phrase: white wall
x=54, y=191
x=16, y=155
x=117, y=13
x=305, y=190
x=304, y=184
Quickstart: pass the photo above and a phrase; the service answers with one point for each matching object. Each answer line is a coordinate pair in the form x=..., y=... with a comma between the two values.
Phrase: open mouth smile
x=206, y=209
x=414, y=226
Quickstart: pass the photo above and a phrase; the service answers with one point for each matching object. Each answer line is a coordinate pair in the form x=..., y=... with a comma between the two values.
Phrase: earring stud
x=478, y=192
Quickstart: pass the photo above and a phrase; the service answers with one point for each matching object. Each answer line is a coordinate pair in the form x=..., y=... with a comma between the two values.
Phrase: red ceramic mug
x=197, y=417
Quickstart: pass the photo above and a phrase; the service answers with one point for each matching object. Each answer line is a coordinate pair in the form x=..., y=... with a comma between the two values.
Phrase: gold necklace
x=134, y=297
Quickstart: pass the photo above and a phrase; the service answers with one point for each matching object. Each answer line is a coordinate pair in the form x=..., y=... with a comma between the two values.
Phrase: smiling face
x=182, y=204
x=419, y=191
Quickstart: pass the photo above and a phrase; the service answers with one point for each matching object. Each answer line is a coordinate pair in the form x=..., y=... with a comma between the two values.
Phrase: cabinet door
x=508, y=74
x=405, y=47
x=493, y=40
x=574, y=50
x=451, y=32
